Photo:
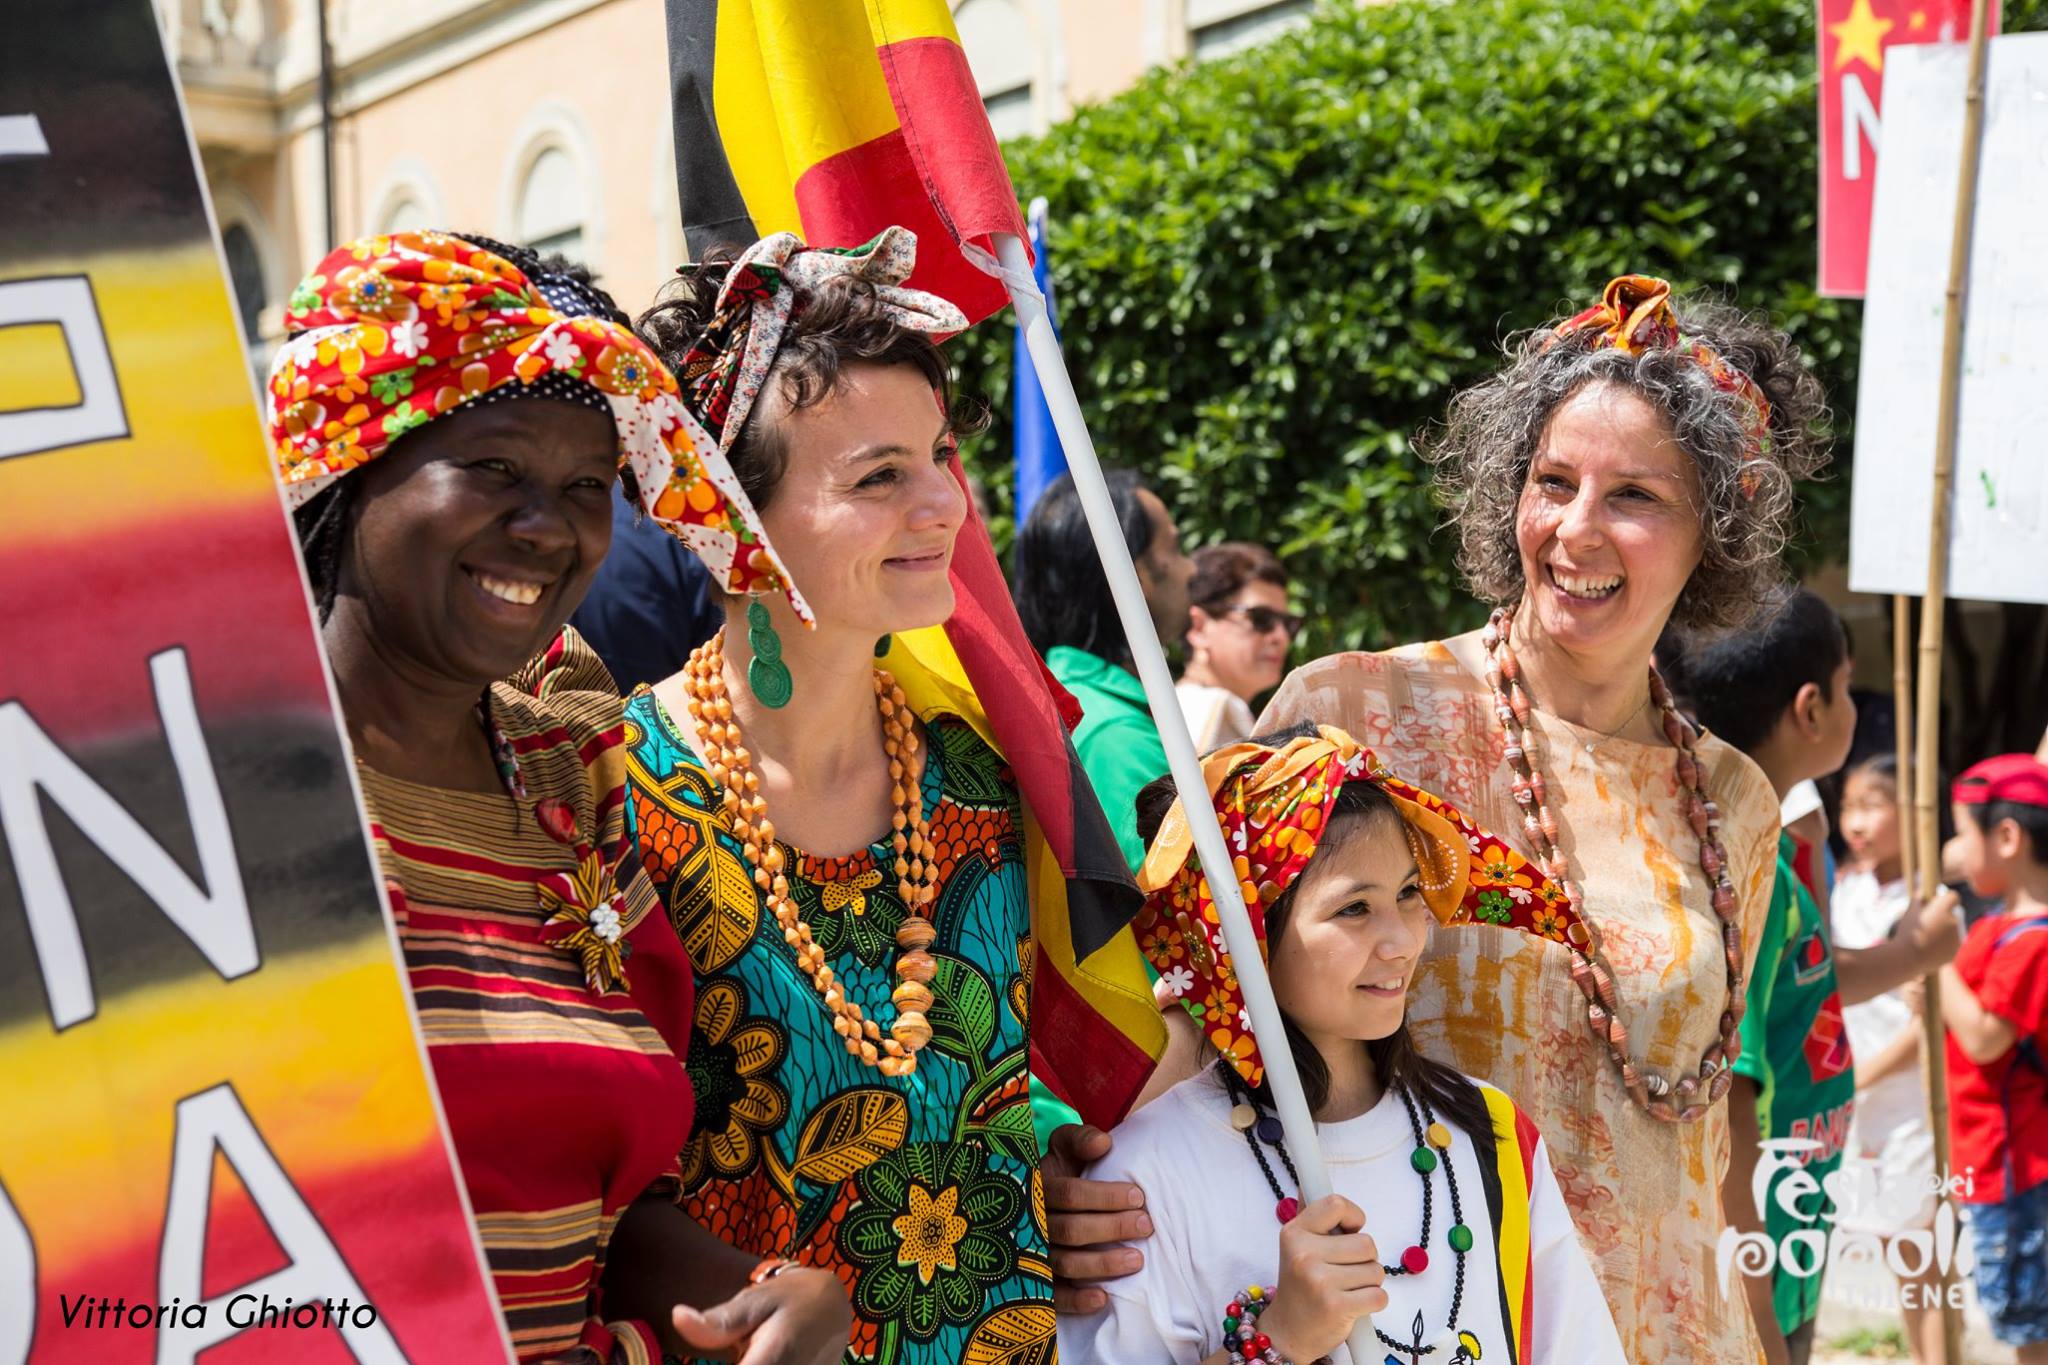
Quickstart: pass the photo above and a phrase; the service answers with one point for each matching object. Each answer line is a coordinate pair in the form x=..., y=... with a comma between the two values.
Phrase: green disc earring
x=767, y=675
x=882, y=646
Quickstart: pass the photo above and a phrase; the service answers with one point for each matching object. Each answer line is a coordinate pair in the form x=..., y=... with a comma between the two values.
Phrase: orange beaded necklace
x=746, y=812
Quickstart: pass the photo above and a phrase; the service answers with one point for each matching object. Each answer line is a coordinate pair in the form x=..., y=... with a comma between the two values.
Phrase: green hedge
x=1274, y=269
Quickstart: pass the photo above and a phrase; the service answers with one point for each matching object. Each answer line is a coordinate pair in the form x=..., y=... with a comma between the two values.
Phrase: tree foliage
x=1273, y=270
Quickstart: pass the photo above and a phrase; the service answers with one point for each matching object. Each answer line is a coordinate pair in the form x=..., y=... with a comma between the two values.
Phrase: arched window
x=1217, y=28
x=1003, y=53
x=551, y=211
x=405, y=214
x=407, y=198
x=245, y=273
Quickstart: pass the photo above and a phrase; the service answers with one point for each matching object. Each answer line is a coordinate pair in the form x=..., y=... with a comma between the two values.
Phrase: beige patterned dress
x=1501, y=1006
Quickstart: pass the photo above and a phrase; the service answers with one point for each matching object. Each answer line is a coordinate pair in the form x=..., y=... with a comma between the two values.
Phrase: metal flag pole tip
x=1296, y=1122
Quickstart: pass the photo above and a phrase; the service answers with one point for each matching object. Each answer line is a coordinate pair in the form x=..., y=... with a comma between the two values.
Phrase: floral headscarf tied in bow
x=394, y=331
x=731, y=359
x=1274, y=805
x=1634, y=315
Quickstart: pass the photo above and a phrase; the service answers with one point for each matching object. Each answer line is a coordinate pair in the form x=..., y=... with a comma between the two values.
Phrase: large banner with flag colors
x=834, y=119
x=1853, y=36
x=221, y=1140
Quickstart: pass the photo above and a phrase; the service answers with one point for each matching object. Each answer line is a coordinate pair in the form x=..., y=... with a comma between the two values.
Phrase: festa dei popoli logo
x=1781, y=1179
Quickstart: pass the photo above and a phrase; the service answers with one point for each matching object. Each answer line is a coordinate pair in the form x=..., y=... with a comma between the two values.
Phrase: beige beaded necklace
x=1695, y=1091
x=746, y=812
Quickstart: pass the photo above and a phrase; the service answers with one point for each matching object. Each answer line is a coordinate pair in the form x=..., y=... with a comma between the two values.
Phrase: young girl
x=1887, y=1174
x=1447, y=1225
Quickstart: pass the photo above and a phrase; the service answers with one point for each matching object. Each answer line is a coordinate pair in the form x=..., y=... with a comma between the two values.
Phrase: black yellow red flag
x=834, y=119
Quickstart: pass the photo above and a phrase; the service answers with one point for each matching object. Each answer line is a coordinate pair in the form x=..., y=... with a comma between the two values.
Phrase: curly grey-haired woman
x=1630, y=466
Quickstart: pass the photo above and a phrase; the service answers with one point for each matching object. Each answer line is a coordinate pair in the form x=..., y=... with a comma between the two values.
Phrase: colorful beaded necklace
x=1432, y=1150
x=917, y=868
x=1692, y=1095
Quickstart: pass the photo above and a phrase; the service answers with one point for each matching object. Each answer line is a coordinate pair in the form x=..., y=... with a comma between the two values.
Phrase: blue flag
x=1040, y=459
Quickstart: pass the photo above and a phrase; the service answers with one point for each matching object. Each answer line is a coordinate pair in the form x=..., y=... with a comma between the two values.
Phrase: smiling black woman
x=448, y=534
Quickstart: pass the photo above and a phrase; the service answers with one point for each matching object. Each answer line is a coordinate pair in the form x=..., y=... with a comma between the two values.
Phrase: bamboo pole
x=1902, y=725
x=1927, y=765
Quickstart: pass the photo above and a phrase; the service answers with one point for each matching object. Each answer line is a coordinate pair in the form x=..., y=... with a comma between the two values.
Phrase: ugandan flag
x=834, y=119
x=1095, y=1031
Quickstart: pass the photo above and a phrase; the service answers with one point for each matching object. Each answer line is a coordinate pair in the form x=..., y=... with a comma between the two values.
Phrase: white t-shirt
x=1861, y=913
x=1216, y=715
x=1214, y=1233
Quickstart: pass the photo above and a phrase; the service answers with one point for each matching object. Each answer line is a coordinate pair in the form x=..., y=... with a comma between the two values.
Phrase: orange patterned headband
x=1634, y=315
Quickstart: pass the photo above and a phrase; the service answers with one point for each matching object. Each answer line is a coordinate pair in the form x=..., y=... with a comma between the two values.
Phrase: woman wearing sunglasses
x=1239, y=631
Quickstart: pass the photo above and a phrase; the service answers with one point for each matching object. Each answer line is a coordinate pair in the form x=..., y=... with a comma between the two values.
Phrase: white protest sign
x=1999, y=537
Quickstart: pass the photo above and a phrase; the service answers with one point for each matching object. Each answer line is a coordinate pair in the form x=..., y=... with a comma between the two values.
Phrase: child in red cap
x=1994, y=999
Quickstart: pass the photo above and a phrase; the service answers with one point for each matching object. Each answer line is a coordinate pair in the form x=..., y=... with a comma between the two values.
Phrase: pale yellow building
x=546, y=121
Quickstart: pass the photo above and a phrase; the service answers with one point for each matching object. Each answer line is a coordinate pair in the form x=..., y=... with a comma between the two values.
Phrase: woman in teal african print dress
x=921, y=1191
x=859, y=1050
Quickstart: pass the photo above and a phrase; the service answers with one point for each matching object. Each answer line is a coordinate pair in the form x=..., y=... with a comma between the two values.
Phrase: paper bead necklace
x=1692, y=1095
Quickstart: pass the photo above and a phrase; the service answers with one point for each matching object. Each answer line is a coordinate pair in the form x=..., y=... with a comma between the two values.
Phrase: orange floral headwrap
x=1634, y=315
x=394, y=331
x=1274, y=805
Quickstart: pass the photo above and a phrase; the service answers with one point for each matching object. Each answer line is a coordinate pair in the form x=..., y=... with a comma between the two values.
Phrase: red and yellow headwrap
x=1634, y=315
x=1274, y=806
x=392, y=332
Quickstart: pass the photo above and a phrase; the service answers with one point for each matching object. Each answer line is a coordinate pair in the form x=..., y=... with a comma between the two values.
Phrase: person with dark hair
x=1779, y=691
x=448, y=420
x=1629, y=465
x=1888, y=1175
x=845, y=865
x=651, y=603
x=1239, y=629
x=1994, y=999
x=1062, y=597
x=1438, y=1176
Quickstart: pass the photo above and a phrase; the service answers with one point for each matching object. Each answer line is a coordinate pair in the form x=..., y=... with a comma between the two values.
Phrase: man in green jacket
x=1063, y=599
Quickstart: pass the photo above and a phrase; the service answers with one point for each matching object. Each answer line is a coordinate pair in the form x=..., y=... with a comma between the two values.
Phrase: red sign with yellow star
x=1853, y=38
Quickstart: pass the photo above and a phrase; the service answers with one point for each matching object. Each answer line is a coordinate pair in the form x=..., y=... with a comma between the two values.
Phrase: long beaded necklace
x=1692, y=1095
x=746, y=812
x=1432, y=1149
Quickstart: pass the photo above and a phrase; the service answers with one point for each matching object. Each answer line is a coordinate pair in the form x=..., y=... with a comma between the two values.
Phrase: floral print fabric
x=726, y=366
x=921, y=1193
x=393, y=331
x=1644, y=1194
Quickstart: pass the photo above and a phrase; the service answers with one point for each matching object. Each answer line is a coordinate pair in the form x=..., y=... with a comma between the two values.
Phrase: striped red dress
x=565, y=1104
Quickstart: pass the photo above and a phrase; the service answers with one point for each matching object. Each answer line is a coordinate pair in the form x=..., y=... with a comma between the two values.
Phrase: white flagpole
x=1295, y=1120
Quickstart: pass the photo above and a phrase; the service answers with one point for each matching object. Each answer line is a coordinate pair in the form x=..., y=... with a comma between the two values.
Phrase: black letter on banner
x=214, y=917
x=215, y=1120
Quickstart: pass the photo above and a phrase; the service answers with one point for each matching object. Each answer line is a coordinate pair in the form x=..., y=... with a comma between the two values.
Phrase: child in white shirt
x=1447, y=1226
x=1887, y=1175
